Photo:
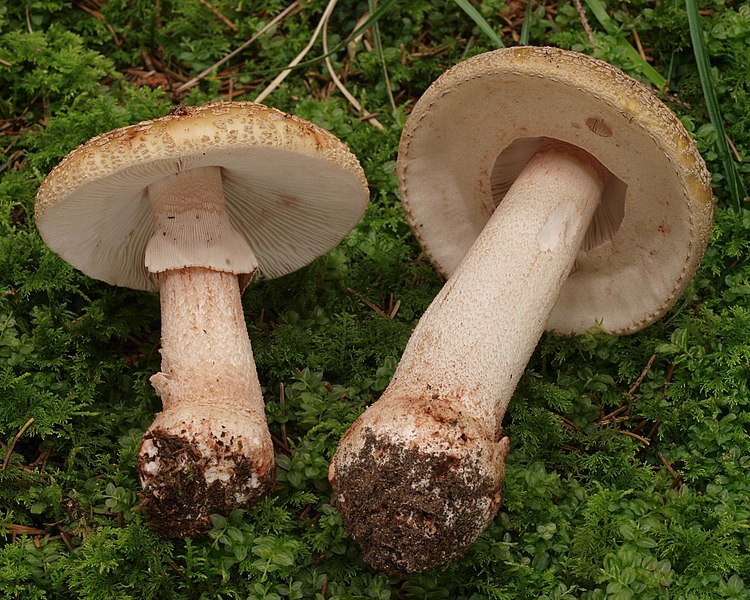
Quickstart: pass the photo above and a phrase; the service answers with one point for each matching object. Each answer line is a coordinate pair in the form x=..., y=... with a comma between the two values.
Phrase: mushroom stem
x=207, y=359
x=210, y=450
x=475, y=339
x=430, y=450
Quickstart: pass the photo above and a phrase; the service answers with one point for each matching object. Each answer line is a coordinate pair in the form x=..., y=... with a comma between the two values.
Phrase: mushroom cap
x=475, y=128
x=292, y=189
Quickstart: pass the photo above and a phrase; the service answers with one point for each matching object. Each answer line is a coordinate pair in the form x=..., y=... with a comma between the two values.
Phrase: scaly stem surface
x=207, y=359
x=474, y=340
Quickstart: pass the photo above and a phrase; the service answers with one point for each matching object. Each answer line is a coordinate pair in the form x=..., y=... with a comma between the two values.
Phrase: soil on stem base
x=166, y=508
x=198, y=469
x=417, y=502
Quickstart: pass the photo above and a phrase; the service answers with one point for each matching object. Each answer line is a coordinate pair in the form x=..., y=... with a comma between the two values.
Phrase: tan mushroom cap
x=472, y=131
x=292, y=189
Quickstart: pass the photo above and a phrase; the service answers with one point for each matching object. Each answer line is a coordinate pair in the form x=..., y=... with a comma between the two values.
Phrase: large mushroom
x=556, y=193
x=194, y=204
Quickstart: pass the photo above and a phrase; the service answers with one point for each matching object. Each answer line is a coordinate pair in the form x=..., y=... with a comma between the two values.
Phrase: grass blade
x=473, y=13
x=737, y=189
x=526, y=27
x=381, y=55
x=610, y=26
x=601, y=14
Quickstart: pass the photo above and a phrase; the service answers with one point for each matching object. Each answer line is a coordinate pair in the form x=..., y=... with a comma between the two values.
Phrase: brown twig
x=641, y=377
x=668, y=379
x=281, y=444
x=612, y=416
x=100, y=17
x=41, y=460
x=14, y=529
x=733, y=147
x=654, y=429
x=665, y=462
x=218, y=15
x=15, y=440
x=670, y=373
x=584, y=20
x=638, y=45
x=676, y=477
x=636, y=436
x=390, y=313
x=374, y=307
x=569, y=424
x=147, y=61
x=230, y=91
x=65, y=537
x=393, y=308
x=172, y=564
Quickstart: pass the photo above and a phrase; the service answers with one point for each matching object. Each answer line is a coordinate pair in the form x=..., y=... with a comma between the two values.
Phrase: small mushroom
x=555, y=193
x=194, y=204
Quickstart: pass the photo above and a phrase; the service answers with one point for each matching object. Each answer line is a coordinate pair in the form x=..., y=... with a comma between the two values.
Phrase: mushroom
x=194, y=204
x=555, y=192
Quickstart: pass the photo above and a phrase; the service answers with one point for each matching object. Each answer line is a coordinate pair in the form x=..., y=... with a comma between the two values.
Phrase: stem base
x=197, y=461
x=419, y=483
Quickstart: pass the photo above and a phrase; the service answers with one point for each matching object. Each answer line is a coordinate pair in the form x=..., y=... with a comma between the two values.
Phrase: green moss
x=628, y=475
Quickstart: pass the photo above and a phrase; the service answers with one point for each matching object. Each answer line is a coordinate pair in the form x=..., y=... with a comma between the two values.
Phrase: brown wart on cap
x=555, y=192
x=193, y=204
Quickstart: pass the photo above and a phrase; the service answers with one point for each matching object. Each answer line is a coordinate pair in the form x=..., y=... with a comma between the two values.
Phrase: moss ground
x=629, y=474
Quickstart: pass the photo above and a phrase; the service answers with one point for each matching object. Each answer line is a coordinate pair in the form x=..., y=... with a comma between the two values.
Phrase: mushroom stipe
x=183, y=468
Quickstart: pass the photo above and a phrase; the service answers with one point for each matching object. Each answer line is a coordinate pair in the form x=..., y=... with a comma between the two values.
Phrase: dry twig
x=334, y=77
x=638, y=45
x=737, y=155
x=99, y=16
x=584, y=20
x=390, y=313
x=15, y=440
x=191, y=83
x=218, y=15
x=393, y=308
x=636, y=436
x=641, y=377
x=14, y=529
x=297, y=59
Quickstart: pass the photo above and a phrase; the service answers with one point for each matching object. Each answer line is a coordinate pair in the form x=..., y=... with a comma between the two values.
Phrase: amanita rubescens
x=194, y=204
x=555, y=193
